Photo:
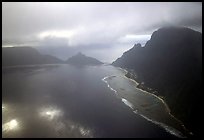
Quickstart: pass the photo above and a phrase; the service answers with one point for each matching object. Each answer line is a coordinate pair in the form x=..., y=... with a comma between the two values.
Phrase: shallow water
x=68, y=101
x=147, y=105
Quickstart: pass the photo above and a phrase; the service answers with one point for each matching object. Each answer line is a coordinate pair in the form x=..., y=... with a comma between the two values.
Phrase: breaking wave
x=167, y=128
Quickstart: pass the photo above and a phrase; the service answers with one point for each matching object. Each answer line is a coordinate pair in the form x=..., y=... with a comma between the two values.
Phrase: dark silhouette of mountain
x=171, y=63
x=81, y=59
x=12, y=56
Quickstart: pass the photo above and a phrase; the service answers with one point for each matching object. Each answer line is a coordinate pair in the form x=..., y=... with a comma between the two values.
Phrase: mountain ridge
x=24, y=55
x=170, y=63
x=81, y=59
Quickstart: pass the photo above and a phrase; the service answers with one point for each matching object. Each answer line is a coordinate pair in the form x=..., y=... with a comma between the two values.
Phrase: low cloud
x=92, y=27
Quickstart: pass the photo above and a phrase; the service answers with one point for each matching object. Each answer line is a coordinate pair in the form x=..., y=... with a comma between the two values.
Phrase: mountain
x=12, y=56
x=81, y=59
x=171, y=63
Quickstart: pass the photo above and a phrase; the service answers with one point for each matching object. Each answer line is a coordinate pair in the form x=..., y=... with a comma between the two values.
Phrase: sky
x=103, y=30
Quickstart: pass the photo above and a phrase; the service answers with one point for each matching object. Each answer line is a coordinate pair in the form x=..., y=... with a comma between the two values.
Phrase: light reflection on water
x=3, y=107
x=45, y=104
x=51, y=113
x=59, y=125
x=9, y=122
x=11, y=125
x=63, y=127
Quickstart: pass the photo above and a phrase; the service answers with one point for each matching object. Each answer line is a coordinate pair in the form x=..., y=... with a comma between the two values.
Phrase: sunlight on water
x=11, y=125
x=84, y=132
x=50, y=113
x=63, y=127
x=3, y=107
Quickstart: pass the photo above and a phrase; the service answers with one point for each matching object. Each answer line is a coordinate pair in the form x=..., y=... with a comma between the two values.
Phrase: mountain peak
x=81, y=59
x=80, y=54
x=137, y=45
x=171, y=63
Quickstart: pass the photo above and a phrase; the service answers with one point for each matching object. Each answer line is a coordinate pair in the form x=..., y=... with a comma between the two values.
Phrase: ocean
x=62, y=100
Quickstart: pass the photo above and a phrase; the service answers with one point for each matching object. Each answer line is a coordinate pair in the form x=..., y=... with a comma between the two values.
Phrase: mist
x=97, y=29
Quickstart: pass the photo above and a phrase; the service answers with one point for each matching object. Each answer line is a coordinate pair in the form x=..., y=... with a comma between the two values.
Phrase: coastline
x=151, y=92
x=180, y=131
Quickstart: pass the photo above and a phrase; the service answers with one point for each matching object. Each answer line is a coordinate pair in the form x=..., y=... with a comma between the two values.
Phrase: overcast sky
x=101, y=30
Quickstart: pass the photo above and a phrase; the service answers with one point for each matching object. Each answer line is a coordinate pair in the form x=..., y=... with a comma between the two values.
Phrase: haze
x=101, y=30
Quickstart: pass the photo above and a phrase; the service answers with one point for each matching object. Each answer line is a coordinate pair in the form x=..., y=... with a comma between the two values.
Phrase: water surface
x=68, y=101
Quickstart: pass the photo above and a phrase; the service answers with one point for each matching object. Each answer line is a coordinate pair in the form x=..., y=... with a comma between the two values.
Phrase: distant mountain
x=12, y=56
x=171, y=63
x=81, y=59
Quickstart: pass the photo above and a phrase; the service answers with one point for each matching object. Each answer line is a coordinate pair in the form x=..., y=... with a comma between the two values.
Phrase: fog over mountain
x=16, y=56
x=95, y=29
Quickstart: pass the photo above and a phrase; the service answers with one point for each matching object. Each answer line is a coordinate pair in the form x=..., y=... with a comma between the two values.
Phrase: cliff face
x=81, y=59
x=25, y=56
x=171, y=63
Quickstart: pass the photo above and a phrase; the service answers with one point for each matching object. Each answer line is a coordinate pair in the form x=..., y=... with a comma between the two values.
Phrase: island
x=81, y=59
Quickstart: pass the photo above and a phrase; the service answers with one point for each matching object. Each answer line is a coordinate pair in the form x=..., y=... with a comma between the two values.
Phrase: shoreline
x=164, y=126
x=145, y=90
x=151, y=92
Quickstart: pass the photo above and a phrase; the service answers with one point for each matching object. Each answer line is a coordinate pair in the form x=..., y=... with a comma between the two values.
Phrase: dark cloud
x=95, y=28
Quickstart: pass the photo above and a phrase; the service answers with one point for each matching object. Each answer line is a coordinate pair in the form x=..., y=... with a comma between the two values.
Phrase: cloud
x=92, y=26
x=53, y=41
x=133, y=39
